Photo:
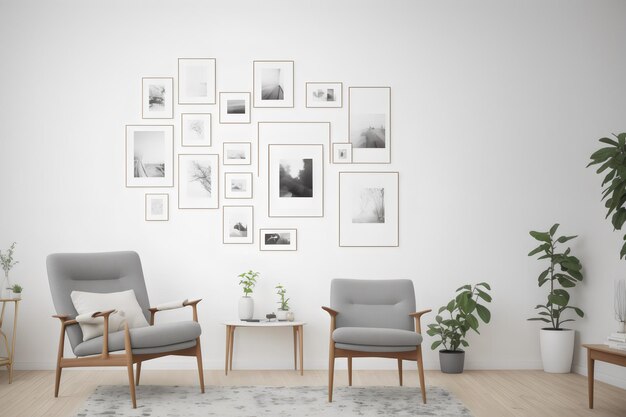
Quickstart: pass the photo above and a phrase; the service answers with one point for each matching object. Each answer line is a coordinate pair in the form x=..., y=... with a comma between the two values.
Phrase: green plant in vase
x=283, y=302
x=7, y=262
x=247, y=280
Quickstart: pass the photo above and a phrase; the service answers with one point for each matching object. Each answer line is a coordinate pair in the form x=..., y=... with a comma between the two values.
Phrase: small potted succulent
x=247, y=280
x=17, y=291
x=283, y=310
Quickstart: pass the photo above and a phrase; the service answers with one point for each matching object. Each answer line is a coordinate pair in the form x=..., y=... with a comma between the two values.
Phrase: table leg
x=227, y=350
x=295, y=347
x=590, y=372
x=301, y=343
x=232, y=345
x=17, y=304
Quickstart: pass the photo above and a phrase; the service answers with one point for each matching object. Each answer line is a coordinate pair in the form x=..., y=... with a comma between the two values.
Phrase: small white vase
x=290, y=316
x=557, y=350
x=246, y=308
x=281, y=315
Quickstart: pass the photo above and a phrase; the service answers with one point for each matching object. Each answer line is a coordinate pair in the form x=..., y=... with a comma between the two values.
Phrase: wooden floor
x=485, y=393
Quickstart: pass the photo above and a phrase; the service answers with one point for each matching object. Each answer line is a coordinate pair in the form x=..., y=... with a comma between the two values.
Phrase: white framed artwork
x=149, y=156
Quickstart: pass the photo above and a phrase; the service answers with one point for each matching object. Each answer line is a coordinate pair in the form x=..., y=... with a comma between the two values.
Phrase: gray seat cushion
x=370, y=348
x=159, y=338
x=374, y=336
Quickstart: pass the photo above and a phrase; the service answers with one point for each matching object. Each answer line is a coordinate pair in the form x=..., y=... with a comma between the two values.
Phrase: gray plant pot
x=451, y=362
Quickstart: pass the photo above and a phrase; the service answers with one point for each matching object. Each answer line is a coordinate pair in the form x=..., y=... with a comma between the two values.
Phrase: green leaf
x=564, y=239
x=622, y=253
x=473, y=323
x=450, y=306
x=484, y=284
x=609, y=141
x=435, y=345
x=464, y=343
x=541, y=236
x=483, y=295
x=579, y=312
x=483, y=313
x=553, y=229
x=538, y=249
x=566, y=283
x=538, y=319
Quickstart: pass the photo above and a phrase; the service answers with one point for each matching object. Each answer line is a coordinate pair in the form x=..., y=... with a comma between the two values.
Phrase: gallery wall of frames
x=174, y=147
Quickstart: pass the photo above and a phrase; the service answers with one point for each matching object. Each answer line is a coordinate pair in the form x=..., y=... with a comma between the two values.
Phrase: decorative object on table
x=237, y=153
x=465, y=310
x=195, y=129
x=283, y=309
x=270, y=316
x=238, y=224
x=616, y=341
x=8, y=360
x=564, y=270
x=8, y=262
x=238, y=185
x=342, y=153
x=613, y=159
x=157, y=97
x=324, y=95
x=17, y=291
x=157, y=207
x=290, y=316
x=620, y=305
x=234, y=108
x=196, y=80
x=198, y=181
x=296, y=180
x=149, y=156
x=278, y=239
x=369, y=124
x=247, y=280
x=368, y=209
x=273, y=83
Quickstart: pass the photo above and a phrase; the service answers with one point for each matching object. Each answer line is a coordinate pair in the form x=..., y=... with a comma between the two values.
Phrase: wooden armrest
x=65, y=320
x=330, y=311
x=105, y=314
x=193, y=304
x=418, y=315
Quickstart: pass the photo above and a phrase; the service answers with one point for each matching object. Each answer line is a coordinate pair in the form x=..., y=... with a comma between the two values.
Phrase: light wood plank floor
x=485, y=393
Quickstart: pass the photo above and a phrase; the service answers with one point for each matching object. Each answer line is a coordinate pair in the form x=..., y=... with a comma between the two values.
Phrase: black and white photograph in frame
x=342, y=153
x=196, y=81
x=149, y=156
x=296, y=180
x=237, y=153
x=324, y=95
x=237, y=185
x=238, y=224
x=198, y=181
x=369, y=124
x=273, y=83
x=234, y=107
x=368, y=209
x=195, y=129
x=278, y=239
x=157, y=98
x=157, y=207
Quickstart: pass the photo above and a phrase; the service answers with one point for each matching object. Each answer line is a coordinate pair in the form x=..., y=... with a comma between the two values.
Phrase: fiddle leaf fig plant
x=247, y=280
x=612, y=160
x=563, y=270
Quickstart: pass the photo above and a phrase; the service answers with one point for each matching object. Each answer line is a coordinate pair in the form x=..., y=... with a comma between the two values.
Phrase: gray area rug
x=176, y=401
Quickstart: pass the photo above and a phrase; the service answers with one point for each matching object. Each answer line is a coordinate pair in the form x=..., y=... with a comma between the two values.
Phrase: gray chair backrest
x=93, y=272
x=373, y=303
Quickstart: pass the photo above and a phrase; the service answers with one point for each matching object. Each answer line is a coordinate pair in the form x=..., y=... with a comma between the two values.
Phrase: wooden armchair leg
x=200, y=369
x=57, y=378
x=129, y=365
x=349, y=371
x=331, y=371
x=420, y=368
x=138, y=371
x=400, y=370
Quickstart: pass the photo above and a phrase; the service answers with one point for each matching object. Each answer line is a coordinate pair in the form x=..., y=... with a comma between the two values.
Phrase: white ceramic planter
x=246, y=308
x=557, y=350
x=281, y=315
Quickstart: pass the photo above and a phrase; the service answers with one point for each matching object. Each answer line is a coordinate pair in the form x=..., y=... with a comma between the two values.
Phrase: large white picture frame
x=369, y=124
x=198, y=181
x=149, y=156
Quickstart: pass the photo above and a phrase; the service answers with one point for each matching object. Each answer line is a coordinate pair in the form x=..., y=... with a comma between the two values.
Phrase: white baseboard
x=602, y=376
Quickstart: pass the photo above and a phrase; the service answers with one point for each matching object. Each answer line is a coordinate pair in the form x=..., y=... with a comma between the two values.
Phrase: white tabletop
x=273, y=323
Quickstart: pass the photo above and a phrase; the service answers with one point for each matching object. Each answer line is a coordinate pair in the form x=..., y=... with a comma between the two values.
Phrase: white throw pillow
x=125, y=302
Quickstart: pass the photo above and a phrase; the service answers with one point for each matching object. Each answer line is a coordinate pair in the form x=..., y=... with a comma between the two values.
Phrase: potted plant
x=563, y=271
x=452, y=330
x=17, y=291
x=247, y=280
x=7, y=262
x=284, y=303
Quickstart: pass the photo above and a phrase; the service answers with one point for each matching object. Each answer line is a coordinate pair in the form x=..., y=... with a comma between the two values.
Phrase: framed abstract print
x=238, y=224
x=273, y=83
x=157, y=98
x=237, y=153
x=157, y=207
x=149, y=156
x=342, y=153
x=278, y=239
x=198, y=181
x=235, y=108
x=196, y=81
x=195, y=129
x=324, y=95
x=369, y=124
x=238, y=185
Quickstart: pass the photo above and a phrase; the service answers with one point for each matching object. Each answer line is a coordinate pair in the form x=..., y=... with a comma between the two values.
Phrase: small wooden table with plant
x=8, y=360
x=601, y=353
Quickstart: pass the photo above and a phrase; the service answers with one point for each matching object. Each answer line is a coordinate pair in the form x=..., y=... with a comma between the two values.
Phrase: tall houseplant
x=247, y=280
x=563, y=271
x=460, y=316
x=281, y=291
x=7, y=262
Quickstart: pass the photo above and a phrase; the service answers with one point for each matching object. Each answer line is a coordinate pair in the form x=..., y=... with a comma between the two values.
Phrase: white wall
x=496, y=107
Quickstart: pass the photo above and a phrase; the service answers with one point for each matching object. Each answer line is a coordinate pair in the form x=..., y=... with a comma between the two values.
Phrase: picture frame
x=234, y=108
x=273, y=84
x=369, y=209
x=149, y=156
x=322, y=95
x=196, y=130
x=369, y=124
x=238, y=225
x=157, y=207
x=237, y=153
x=238, y=185
x=198, y=181
x=157, y=98
x=342, y=153
x=295, y=180
x=197, y=80
x=278, y=240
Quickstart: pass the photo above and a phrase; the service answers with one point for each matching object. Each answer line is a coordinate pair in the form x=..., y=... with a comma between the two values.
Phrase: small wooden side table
x=601, y=353
x=298, y=339
x=8, y=360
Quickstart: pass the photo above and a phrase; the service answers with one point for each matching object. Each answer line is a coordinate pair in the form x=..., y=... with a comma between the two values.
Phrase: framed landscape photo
x=234, y=107
x=238, y=185
x=296, y=180
x=278, y=239
x=149, y=156
x=324, y=95
x=369, y=124
x=237, y=153
x=157, y=98
x=196, y=81
x=198, y=181
x=368, y=209
x=238, y=224
x=273, y=83
x=195, y=129
x=342, y=153
x=157, y=207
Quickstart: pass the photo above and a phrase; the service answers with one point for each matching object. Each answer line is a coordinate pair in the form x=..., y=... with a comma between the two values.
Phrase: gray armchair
x=107, y=273
x=374, y=318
